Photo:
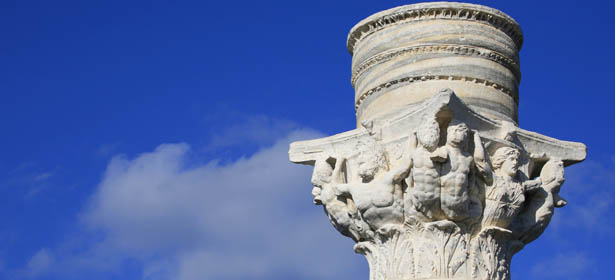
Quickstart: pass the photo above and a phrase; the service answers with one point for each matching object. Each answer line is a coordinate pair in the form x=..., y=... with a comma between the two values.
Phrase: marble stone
x=437, y=181
x=402, y=53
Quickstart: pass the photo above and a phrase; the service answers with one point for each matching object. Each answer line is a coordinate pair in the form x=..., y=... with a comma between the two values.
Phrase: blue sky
x=148, y=140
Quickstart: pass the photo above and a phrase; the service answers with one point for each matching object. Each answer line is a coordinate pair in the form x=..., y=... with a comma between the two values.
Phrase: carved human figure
x=505, y=198
x=459, y=199
x=380, y=200
x=541, y=202
x=370, y=160
x=343, y=216
x=321, y=175
x=424, y=179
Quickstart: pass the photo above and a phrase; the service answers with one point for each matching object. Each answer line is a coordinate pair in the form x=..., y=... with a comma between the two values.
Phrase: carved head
x=428, y=133
x=456, y=133
x=370, y=165
x=552, y=178
x=322, y=173
x=552, y=171
x=371, y=160
x=505, y=161
x=320, y=176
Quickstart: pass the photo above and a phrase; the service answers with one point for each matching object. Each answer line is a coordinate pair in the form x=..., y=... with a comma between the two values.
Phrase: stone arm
x=342, y=189
x=337, y=177
x=532, y=185
x=396, y=175
x=480, y=160
x=440, y=155
x=558, y=201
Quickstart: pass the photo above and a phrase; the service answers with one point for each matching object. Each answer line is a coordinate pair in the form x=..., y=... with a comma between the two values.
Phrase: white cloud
x=30, y=177
x=254, y=129
x=590, y=191
x=42, y=176
x=248, y=219
x=39, y=263
x=574, y=265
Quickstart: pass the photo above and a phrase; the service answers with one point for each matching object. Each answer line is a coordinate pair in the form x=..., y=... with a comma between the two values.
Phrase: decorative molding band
x=409, y=80
x=463, y=50
x=501, y=22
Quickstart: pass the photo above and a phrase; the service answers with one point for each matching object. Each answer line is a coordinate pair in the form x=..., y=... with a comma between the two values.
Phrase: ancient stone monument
x=437, y=181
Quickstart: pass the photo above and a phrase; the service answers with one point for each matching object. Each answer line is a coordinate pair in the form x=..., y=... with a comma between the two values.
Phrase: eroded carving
x=459, y=197
x=432, y=10
x=449, y=199
x=448, y=49
x=512, y=93
x=341, y=210
x=424, y=182
x=379, y=198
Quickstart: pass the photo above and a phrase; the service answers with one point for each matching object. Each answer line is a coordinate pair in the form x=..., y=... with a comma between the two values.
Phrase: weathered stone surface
x=400, y=55
x=436, y=182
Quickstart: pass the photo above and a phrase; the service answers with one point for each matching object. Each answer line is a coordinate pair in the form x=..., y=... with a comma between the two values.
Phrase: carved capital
x=440, y=192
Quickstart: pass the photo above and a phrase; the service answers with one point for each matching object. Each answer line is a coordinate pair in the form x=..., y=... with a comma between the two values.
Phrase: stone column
x=437, y=181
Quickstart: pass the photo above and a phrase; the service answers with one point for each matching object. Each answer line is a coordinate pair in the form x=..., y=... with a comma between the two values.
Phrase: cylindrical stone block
x=403, y=56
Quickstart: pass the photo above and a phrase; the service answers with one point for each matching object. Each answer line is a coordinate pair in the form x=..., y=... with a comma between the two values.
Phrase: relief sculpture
x=454, y=204
x=424, y=180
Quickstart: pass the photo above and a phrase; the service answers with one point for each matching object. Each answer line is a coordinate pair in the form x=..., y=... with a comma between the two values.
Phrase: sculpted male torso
x=379, y=200
x=455, y=199
x=456, y=169
x=424, y=178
